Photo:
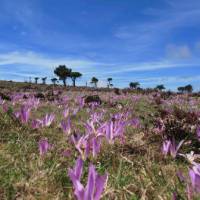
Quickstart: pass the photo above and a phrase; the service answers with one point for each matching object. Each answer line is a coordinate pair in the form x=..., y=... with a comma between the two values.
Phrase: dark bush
x=92, y=99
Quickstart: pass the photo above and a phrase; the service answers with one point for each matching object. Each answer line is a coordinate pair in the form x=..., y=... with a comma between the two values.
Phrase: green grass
x=136, y=169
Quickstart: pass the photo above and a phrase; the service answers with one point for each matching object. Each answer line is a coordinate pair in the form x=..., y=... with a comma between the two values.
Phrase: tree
x=63, y=73
x=188, y=88
x=94, y=81
x=160, y=87
x=44, y=80
x=134, y=85
x=109, y=82
x=36, y=80
x=181, y=89
x=54, y=80
x=74, y=76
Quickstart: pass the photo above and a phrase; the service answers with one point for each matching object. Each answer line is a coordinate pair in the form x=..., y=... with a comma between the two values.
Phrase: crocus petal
x=100, y=185
x=90, y=187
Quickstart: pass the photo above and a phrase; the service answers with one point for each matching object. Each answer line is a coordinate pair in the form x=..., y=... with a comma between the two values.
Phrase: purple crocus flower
x=95, y=183
x=114, y=130
x=96, y=145
x=81, y=144
x=5, y=107
x=66, y=126
x=1, y=101
x=80, y=101
x=194, y=174
x=198, y=133
x=37, y=123
x=17, y=114
x=174, y=148
x=171, y=147
x=24, y=114
x=66, y=112
x=87, y=144
x=166, y=147
x=135, y=122
x=48, y=119
x=44, y=146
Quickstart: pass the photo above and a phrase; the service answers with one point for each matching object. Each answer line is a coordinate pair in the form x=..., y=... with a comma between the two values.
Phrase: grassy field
x=134, y=159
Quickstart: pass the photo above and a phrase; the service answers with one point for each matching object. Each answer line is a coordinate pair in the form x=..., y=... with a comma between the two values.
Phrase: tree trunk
x=74, y=82
x=64, y=82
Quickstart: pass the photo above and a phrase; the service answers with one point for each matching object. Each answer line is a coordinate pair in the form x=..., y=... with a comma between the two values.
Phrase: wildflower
x=166, y=147
x=114, y=130
x=24, y=114
x=48, y=119
x=80, y=143
x=191, y=157
x=171, y=147
x=66, y=112
x=80, y=101
x=44, y=146
x=87, y=144
x=37, y=123
x=95, y=183
x=5, y=107
x=66, y=126
x=194, y=174
x=1, y=101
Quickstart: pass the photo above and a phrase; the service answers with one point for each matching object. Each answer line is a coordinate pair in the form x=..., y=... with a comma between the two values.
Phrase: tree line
x=63, y=73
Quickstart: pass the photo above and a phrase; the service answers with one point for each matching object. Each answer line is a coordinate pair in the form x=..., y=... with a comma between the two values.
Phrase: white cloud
x=88, y=67
x=151, y=66
x=39, y=60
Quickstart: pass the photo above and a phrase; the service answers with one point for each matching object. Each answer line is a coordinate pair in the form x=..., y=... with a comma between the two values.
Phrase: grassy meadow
x=130, y=129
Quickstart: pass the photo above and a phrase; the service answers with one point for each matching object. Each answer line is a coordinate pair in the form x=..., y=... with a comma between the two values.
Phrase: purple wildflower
x=166, y=147
x=48, y=119
x=114, y=130
x=198, y=133
x=171, y=147
x=95, y=183
x=24, y=114
x=194, y=174
x=44, y=146
x=66, y=126
x=37, y=123
x=66, y=112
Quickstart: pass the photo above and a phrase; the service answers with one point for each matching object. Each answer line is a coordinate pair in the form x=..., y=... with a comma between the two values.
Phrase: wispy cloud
x=35, y=59
x=163, y=22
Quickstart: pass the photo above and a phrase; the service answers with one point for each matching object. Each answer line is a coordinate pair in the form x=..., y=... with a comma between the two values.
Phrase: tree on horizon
x=109, y=82
x=134, y=85
x=74, y=76
x=36, y=80
x=187, y=88
x=94, y=81
x=54, y=80
x=160, y=87
x=44, y=80
x=63, y=73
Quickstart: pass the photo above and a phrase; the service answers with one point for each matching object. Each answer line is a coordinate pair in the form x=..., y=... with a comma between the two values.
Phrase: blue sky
x=150, y=41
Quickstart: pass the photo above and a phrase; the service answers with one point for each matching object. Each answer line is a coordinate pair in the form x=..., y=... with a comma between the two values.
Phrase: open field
x=144, y=146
